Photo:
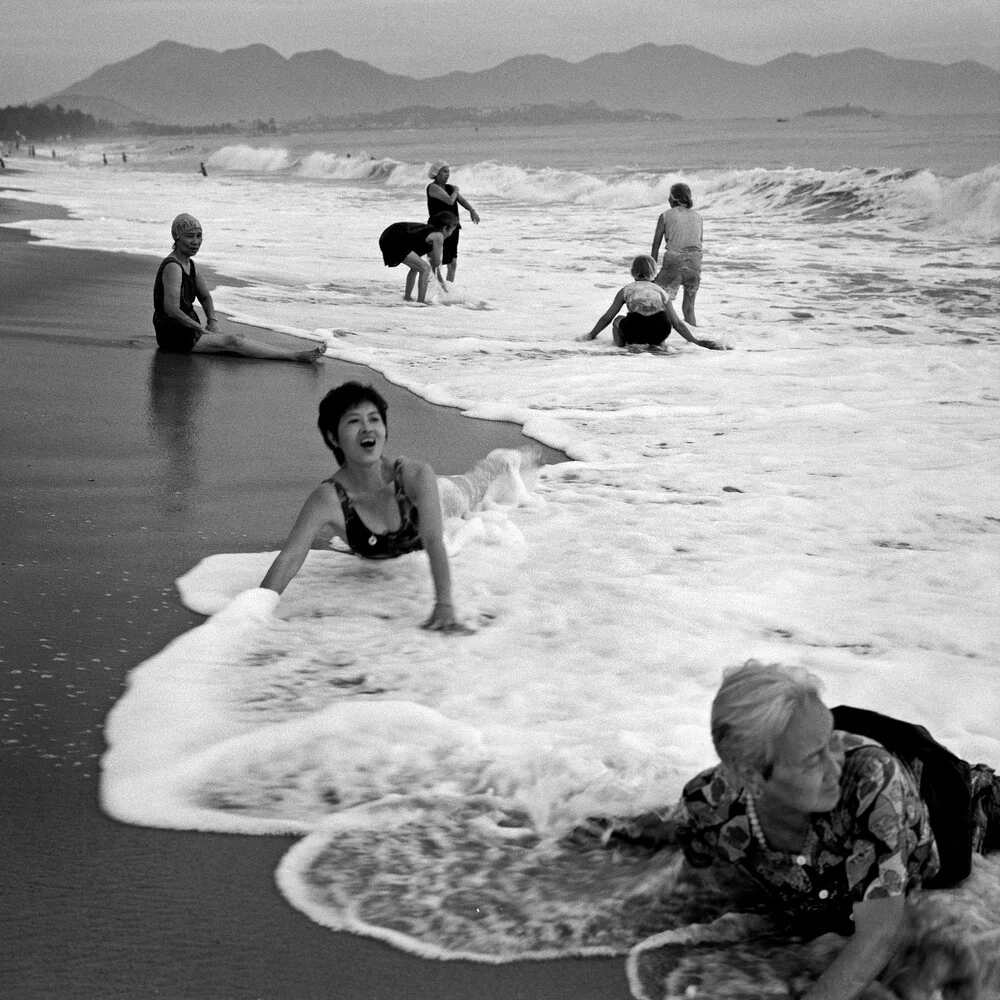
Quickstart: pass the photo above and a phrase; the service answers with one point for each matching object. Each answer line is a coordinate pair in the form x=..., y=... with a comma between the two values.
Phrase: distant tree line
x=31, y=124
x=257, y=127
x=424, y=116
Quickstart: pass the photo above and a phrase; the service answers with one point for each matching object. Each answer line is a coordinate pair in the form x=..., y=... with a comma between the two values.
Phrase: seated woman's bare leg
x=616, y=331
x=238, y=343
x=501, y=476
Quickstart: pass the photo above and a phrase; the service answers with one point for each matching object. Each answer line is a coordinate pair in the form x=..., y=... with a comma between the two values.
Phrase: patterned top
x=645, y=298
x=877, y=841
x=365, y=542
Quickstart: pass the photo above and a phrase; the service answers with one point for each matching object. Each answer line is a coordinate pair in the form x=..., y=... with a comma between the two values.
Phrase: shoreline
x=125, y=467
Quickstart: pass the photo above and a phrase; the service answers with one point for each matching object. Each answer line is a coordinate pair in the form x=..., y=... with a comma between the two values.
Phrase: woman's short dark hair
x=681, y=193
x=443, y=219
x=337, y=402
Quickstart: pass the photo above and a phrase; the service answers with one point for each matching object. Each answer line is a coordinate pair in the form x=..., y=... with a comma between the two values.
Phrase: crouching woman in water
x=175, y=320
x=835, y=827
x=409, y=242
x=381, y=508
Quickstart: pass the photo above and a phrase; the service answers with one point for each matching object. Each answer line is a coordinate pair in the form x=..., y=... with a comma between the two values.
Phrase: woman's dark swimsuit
x=648, y=330
x=365, y=542
x=171, y=335
x=402, y=238
x=435, y=205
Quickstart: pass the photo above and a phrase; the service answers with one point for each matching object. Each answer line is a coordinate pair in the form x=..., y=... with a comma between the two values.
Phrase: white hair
x=753, y=708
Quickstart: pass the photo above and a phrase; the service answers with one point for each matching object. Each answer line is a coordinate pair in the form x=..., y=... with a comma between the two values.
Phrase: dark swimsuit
x=403, y=238
x=434, y=205
x=171, y=335
x=365, y=542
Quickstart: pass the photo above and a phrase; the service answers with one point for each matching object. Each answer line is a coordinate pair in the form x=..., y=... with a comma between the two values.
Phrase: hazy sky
x=46, y=45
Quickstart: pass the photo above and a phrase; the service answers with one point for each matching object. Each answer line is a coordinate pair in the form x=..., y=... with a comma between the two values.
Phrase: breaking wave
x=919, y=199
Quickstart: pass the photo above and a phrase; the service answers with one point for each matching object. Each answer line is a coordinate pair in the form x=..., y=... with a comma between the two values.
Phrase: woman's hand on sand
x=715, y=345
x=584, y=338
x=212, y=326
x=443, y=619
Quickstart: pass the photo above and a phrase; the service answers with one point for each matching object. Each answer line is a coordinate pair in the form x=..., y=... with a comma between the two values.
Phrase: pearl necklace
x=755, y=827
x=800, y=858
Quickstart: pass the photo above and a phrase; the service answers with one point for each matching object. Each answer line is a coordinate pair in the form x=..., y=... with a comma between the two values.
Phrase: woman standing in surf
x=445, y=197
x=681, y=227
x=384, y=509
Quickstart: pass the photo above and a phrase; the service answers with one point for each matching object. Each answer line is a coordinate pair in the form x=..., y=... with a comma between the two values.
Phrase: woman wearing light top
x=681, y=227
x=651, y=315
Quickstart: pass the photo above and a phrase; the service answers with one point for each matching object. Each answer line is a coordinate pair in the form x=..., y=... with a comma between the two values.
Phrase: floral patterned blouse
x=876, y=842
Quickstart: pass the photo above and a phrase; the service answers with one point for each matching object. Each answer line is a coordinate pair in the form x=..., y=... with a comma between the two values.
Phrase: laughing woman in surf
x=383, y=508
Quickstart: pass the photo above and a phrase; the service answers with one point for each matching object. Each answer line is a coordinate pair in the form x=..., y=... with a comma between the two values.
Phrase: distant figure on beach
x=681, y=227
x=409, y=242
x=104, y=156
x=204, y=172
x=443, y=197
x=124, y=157
x=175, y=320
x=384, y=509
x=650, y=316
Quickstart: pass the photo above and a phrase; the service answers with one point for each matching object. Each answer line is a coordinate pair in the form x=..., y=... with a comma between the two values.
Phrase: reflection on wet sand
x=176, y=387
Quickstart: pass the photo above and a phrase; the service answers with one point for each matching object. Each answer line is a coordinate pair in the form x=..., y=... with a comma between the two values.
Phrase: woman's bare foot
x=311, y=356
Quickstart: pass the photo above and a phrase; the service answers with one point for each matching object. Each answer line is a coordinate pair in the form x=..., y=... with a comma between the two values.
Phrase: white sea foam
x=824, y=494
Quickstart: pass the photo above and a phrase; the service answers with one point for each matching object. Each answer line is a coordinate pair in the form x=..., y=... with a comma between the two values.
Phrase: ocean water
x=823, y=494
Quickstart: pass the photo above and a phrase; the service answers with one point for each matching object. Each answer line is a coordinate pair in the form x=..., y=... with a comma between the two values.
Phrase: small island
x=843, y=111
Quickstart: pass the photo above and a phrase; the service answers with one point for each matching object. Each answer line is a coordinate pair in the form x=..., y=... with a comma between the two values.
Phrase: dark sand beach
x=123, y=468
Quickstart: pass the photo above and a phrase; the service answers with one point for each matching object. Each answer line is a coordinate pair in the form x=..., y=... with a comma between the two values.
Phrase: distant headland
x=175, y=84
x=843, y=111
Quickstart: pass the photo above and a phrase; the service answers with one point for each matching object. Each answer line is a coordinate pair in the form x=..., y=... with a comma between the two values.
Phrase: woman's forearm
x=179, y=316
x=209, y=306
x=440, y=570
x=878, y=935
x=283, y=570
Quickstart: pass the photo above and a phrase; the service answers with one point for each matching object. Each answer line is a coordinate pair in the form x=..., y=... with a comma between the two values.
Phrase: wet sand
x=122, y=468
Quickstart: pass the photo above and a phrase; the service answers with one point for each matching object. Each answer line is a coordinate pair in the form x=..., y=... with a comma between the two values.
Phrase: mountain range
x=180, y=84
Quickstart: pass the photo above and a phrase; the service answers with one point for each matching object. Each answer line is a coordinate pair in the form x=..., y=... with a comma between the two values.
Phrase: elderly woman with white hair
x=833, y=825
x=443, y=197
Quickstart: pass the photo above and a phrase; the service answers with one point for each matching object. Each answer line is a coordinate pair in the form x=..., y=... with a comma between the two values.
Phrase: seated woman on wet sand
x=650, y=316
x=409, y=242
x=175, y=320
x=832, y=825
x=381, y=508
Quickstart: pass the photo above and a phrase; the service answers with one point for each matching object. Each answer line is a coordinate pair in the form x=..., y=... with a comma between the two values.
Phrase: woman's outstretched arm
x=473, y=214
x=614, y=309
x=320, y=509
x=421, y=485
